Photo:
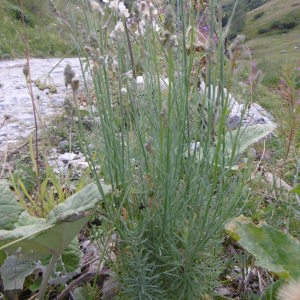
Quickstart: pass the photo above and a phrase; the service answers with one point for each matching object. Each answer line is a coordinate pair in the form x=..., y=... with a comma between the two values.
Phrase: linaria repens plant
x=169, y=204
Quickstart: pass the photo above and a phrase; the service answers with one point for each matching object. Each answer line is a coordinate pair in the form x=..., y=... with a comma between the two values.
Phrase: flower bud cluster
x=145, y=14
x=69, y=74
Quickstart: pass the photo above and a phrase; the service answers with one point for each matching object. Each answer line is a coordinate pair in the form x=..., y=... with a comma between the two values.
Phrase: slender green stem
x=47, y=275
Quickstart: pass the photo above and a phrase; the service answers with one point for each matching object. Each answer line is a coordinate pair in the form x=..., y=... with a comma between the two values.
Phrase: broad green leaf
x=58, y=230
x=237, y=141
x=71, y=256
x=50, y=236
x=2, y=257
x=81, y=293
x=296, y=189
x=35, y=286
x=14, y=271
x=232, y=226
x=26, y=219
x=275, y=251
x=247, y=136
x=78, y=203
x=10, y=208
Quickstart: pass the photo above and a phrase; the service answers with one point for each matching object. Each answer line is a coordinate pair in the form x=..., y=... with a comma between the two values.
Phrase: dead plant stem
x=29, y=84
x=130, y=50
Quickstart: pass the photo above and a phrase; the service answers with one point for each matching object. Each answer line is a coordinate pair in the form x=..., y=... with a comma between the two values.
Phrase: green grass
x=274, y=10
x=276, y=47
x=272, y=52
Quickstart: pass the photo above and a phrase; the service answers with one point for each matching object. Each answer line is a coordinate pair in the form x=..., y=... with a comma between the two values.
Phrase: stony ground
x=16, y=113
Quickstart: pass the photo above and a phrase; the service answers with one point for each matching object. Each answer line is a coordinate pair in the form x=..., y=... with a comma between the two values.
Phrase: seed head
x=96, y=7
x=169, y=22
x=123, y=11
x=114, y=5
x=69, y=74
x=93, y=39
x=119, y=28
x=164, y=115
x=25, y=70
x=75, y=84
x=88, y=50
x=149, y=146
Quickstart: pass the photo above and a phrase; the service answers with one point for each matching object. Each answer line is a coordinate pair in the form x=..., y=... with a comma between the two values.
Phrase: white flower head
x=155, y=26
x=119, y=28
x=114, y=5
x=123, y=91
x=143, y=5
x=114, y=65
x=153, y=9
x=141, y=30
x=129, y=74
x=96, y=6
x=113, y=35
x=123, y=11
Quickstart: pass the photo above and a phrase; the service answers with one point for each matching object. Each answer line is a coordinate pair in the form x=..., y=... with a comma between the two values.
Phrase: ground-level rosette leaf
x=274, y=250
x=24, y=245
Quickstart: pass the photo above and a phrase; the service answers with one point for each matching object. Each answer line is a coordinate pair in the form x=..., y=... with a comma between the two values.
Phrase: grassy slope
x=277, y=47
x=272, y=11
x=46, y=36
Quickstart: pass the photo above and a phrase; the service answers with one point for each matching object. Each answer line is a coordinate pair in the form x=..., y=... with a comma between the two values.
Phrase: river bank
x=16, y=113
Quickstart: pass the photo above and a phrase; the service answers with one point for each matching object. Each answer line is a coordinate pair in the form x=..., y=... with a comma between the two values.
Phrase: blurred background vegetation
x=47, y=35
x=272, y=31
x=271, y=28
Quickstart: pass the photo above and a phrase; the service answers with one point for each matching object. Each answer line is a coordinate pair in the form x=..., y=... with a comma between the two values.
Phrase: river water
x=16, y=113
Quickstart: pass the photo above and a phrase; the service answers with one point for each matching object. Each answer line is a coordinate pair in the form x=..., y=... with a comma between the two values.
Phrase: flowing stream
x=16, y=113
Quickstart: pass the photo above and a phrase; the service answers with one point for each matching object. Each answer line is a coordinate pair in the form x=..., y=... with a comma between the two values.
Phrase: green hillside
x=272, y=30
x=275, y=16
x=273, y=36
x=46, y=34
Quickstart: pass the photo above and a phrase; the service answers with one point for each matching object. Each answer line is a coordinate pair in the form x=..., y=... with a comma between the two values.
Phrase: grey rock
x=247, y=116
x=63, y=144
